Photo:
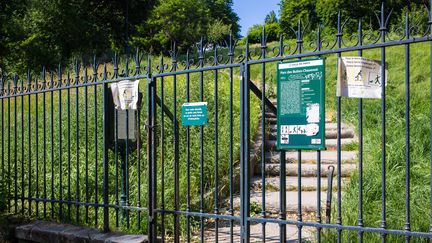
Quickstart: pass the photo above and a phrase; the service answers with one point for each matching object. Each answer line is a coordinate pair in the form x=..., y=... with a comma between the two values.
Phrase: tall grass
x=395, y=146
x=46, y=151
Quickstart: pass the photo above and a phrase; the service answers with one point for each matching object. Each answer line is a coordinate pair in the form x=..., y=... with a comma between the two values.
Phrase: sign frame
x=299, y=118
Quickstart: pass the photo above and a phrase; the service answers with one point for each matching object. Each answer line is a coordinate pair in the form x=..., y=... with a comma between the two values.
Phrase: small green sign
x=301, y=106
x=194, y=114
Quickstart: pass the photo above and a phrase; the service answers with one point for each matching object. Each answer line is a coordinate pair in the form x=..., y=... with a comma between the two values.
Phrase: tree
x=217, y=31
x=326, y=11
x=272, y=32
x=293, y=11
x=172, y=20
x=271, y=18
x=222, y=10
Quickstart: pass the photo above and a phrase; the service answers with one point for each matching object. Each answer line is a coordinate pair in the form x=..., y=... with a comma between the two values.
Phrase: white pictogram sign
x=125, y=94
x=359, y=77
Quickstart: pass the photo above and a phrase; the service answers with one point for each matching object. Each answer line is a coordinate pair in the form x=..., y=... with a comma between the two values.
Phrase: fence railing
x=61, y=158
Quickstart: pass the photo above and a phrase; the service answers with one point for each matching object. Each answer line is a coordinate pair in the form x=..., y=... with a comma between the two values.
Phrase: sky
x=253, y=11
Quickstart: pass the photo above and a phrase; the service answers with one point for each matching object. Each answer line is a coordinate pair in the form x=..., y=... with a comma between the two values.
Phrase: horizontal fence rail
x=62, y=160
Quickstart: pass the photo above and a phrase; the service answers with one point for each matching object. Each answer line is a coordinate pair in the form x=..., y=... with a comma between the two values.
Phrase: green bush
x=272, y=31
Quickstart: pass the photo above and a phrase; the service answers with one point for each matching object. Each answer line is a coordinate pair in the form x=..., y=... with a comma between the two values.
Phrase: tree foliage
x=326, y=11
x=271, y=18
x=272, y=32
x=44, y=32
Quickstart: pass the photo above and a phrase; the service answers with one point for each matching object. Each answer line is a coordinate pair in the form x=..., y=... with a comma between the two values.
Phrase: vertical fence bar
x=383, y=30
x=116, y=151
x=216, y=146
x=22, y=149
x=318, y=217
x=299, y=196
x=176, y=149
x=154, y=155
x=68, y=84
x=51, y=140
x=338, y=120
x=263, y=133
x=44, y=141
x=105, y=152
x=244, y=160
x=151, y=154
x=299, y=190
x=29, y=144
x=162, y=151
x=242, y=154
x=188, y=183
x=96, y=207
x=201, y=97
x=231, y=163
x=138, y=122
x=77, y=154
x=86, y=153
x=9, y=153
x=360, y=129
x=60, y=148
x=127, y=150
x=15, y=148
x=282, y=175
x=407, y=130
x=125, y=165
x=36, y=145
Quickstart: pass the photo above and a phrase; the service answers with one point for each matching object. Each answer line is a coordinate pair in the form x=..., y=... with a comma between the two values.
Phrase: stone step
x=331, y=144
x=327, y=157
x=291, y=182
x=307, y=170
x=272, y=233
x=272, y=201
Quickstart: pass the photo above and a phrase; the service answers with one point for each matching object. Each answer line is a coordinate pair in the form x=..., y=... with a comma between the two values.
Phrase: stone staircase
x=309, y=179
x=308, y=170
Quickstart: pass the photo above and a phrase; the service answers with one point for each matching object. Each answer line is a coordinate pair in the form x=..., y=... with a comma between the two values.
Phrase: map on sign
x=301, y=107
x=194, y=114
x=359, y=77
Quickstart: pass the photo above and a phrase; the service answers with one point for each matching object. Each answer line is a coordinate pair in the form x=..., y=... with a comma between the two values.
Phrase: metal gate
x=194, y=183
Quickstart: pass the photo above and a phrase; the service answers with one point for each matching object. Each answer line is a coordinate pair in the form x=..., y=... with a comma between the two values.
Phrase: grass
x=26, y=161
x=395, y=146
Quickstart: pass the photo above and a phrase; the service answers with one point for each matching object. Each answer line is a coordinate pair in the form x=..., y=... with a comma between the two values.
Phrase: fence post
x=244, y=151
x=105, y=158
x=151, y=155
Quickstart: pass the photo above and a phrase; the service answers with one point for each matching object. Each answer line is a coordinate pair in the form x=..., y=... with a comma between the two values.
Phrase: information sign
x=301, y=106
x=194, y=114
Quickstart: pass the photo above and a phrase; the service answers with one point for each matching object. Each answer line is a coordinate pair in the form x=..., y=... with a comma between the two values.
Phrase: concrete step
x=327, y=157
x=272, y=202
x=307, y=170
x=272, y=233
x=291, y=182
x=331, y=144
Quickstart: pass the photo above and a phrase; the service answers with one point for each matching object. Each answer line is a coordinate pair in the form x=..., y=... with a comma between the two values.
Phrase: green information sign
x=301, y=106
x=194, y=114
